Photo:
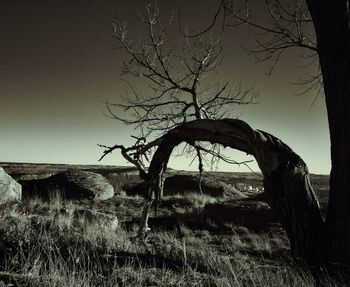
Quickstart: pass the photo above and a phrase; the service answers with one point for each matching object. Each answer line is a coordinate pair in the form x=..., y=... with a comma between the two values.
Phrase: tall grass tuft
x=46, y=244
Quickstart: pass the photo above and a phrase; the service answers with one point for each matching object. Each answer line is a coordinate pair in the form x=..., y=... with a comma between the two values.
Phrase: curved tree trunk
x=286, y=177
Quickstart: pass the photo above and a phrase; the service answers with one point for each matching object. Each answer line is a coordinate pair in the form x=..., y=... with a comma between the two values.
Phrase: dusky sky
x=57, y=66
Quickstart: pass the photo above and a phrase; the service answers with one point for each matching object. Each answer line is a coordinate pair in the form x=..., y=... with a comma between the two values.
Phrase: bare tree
x=322, y=29
x=179, y=90
x=177, y=77
x=286, y=177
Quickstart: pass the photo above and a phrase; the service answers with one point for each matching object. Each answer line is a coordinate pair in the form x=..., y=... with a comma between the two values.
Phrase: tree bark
x=337, y=89
x=286, y=177
x=332, y=25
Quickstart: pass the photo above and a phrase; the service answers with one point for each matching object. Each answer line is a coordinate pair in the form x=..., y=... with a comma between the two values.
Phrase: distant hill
x=28, y=171
x=17, y=170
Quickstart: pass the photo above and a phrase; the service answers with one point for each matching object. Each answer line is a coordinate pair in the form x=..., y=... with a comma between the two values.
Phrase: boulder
x=184, y=184
x=71, y=184
x=10, y=190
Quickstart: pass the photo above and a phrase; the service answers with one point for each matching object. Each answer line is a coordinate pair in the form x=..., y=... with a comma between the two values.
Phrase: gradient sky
x=57, y=66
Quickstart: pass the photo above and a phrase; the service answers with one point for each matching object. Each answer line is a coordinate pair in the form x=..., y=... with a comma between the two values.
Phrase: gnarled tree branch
x=286, y=177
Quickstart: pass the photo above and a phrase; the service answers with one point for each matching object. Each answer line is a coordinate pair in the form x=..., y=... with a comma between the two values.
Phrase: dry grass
x=45, y=244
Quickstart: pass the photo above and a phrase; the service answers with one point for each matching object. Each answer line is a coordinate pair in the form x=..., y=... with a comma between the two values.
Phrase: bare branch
x=210, y=26
x=176, y=73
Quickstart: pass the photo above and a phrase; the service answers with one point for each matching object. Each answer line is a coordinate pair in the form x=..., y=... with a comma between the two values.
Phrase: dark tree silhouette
x=176, y=89
x=332, y=26
x=286, y=177
x=323, y=28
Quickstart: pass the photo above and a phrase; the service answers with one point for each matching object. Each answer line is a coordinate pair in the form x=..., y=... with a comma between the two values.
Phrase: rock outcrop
x=10, y=190
x=71, y=184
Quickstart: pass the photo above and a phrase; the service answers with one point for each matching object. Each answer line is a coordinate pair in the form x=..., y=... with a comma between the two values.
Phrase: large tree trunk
x=286, y=177
x=337, y=89
x=332, y=25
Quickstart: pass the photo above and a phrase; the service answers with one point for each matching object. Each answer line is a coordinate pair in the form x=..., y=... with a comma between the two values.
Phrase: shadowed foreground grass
x=45, y=244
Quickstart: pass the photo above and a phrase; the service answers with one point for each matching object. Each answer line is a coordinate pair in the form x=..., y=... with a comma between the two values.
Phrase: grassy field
x=195, y=240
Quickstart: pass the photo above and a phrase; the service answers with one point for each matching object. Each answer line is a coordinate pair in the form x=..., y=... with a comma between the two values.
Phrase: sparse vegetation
x=54, y=243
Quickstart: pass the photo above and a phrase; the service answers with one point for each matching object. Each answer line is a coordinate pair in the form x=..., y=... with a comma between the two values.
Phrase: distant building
x=244, y=187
